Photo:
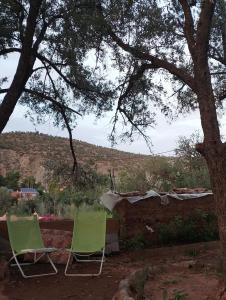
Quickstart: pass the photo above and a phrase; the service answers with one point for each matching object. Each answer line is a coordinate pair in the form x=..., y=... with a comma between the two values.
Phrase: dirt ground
x=183, y=272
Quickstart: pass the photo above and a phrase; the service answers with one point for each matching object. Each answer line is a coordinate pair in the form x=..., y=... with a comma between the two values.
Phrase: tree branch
x=188, y=25
x=222, y=96
x=58, y=71
x=24, y=67
x=49, y=98
x=64, y=116
x=9, y=50
x=43, y=31
x=156, y=62
x=204, y=27
x=75, y=163
x=3, y=91
x=132, y=80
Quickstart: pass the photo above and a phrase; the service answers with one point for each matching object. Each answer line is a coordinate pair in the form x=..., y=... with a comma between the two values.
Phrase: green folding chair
x=25, y=237
x=88, y=239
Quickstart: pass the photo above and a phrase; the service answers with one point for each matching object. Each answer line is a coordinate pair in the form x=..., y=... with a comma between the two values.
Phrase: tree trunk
x=214, y=152
x=217, y=170
x=212, y=148
x=24, y=68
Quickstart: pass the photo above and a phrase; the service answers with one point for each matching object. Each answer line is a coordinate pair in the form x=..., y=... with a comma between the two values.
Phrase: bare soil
x=190, y=271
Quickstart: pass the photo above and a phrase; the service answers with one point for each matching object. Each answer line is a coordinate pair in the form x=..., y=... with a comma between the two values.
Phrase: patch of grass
x=164, y=294
x=192, y=252
x=136, y=243
x=170, y=281
x=180, y=295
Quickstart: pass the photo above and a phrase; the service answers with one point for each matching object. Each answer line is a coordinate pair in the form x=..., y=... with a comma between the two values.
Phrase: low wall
x=112, y=230
x=65, y=225
x=137, y=218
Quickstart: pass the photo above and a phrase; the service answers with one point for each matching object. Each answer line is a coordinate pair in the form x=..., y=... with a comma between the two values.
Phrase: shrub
x=196, y=228
x=136, y=243
x=6, y=200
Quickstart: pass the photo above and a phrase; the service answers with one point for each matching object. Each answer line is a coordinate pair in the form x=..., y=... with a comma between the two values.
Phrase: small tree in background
x=12, y=180
x=190, y=166
x=6, y=201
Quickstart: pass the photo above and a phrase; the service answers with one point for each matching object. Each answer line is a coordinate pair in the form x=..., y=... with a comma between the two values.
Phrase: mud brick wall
x=137, y=217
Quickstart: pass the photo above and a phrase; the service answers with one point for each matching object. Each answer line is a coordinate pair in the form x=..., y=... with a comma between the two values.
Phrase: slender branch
x=21, y=19
x=75, y=163
x=218, y=59
x=62, y=111
x=218, y=73
x=188, y=25
x=59, y=72
x=136, y=126
x=3, y=91
x=178, y=90
x=9, y=50
x=43, y=31
x=132, y=80
x=49, y=98
x=204, y=27
x=222, y=96
x=156, y=62
x=37, y=69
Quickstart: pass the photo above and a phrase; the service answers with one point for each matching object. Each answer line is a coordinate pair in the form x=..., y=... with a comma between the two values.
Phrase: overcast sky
x=164, y=136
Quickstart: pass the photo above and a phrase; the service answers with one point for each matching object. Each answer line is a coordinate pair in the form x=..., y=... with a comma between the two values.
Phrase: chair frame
x=41, y=251
x=78, y=255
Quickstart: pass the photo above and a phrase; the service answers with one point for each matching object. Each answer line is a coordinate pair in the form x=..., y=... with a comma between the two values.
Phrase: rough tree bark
x=212, y=148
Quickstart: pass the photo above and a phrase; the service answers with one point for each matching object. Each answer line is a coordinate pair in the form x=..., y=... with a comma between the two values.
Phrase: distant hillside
x=28, y=152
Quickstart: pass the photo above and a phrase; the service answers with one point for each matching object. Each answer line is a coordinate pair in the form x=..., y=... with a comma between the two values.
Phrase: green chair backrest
x=24, y=233
x=89, y=231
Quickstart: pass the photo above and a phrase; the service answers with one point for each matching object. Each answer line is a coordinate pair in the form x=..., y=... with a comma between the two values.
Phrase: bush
x=136, y=243
x=199, y=227
x=6, y=201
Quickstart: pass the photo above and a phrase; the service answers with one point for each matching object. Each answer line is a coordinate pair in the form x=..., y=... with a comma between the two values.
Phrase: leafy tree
x=157, y=173
x=52, y=76
x=153, y=44
x=12, y=180
x=190, y=166
x=59, y=172
x=2, y=180
x=5, y=200
x=28, y=181
x=177, y=43
x=186, y=151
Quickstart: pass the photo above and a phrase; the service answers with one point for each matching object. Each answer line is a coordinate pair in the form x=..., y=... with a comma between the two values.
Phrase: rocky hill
x=28, y=153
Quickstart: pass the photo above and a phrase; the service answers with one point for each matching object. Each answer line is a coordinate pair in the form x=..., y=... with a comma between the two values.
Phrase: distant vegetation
x=61, y=192
x=186, y=169
x=60, y=198
x=27, y=152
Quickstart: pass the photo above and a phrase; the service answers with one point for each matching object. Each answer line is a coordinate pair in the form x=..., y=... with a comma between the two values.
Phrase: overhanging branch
x=156, y=62
x=49, y=98
x=9, y=50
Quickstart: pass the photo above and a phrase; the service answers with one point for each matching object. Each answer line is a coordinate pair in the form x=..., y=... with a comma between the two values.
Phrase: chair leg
x=85, y=260
x=35, y=275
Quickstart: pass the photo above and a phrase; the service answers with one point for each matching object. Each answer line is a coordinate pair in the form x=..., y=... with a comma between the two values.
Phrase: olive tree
x=177, y=43
x=52, y=76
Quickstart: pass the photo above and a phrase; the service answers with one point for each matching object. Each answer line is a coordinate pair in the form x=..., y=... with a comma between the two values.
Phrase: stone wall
x=143, y=216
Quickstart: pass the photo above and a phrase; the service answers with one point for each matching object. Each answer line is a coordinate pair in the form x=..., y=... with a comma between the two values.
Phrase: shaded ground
x=191, y=270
